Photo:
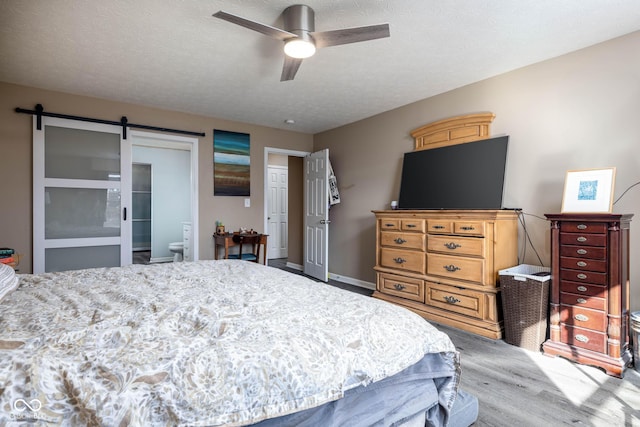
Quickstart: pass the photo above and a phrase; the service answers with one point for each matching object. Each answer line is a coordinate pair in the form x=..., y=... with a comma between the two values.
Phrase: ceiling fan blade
x=290, y=68
x=267, y=30
x=350, y=35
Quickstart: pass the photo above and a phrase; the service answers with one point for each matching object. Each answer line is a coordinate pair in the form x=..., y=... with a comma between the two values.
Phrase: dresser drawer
x=591, y=252
x=439, y=226
x=456, y=245
x=584, y=227
x=400, y=286
x=583, y=239
x=583, y=276
x=403, y=240
x=583, y=317
x=412, y=225
x=583, y=301
x=584, y=338
x=583, y=289
x=403, y=260
x=456, y=267
x=462, y=301
x=584, y=264
x=471, y=228
x=390, y=224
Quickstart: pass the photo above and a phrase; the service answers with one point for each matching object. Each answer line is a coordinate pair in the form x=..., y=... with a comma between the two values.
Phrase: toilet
x=177, y=248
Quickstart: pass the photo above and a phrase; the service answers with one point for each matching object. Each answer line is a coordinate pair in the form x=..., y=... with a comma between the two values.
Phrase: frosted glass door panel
x=141, y=205
x=81, y=154
x=81, y=212
x=61, y=259
x=82, y=195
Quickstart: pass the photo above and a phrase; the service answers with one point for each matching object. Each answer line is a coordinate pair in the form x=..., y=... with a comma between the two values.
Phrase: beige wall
x=577, y=111
x=15, y=160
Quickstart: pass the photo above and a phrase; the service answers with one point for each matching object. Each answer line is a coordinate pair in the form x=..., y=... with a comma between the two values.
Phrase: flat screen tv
x=463, y=176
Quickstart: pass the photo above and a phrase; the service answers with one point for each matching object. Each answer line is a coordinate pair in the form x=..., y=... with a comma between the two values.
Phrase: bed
x=217, y=343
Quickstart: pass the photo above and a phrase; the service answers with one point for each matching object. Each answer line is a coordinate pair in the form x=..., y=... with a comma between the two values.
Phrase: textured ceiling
x=175, y=55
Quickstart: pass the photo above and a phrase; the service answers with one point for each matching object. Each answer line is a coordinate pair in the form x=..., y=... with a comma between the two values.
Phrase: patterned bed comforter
x=194, y=343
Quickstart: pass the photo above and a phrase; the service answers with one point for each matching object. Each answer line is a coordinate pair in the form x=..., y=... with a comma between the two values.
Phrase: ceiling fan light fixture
x=299, y=48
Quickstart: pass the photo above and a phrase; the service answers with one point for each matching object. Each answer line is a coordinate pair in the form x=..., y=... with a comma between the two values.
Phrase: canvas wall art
x=231, y=164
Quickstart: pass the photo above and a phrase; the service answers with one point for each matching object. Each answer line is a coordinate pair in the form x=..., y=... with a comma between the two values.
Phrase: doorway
x=291, y=239
x=173, y=192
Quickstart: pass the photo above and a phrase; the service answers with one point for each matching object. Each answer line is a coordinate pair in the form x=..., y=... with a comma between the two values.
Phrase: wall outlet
x=247, y=203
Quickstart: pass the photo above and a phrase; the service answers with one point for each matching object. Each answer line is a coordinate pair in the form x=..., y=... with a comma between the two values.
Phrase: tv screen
x=462, y=176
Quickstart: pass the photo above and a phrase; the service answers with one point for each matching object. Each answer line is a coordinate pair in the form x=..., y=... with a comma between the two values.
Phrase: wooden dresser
x=443, y=264
x=589, y=299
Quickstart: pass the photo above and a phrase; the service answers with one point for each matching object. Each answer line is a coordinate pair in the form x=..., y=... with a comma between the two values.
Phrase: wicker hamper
x=525, y=304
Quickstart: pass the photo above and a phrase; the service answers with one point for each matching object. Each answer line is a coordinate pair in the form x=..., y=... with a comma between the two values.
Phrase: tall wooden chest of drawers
x=589, y=298
x=443, y=264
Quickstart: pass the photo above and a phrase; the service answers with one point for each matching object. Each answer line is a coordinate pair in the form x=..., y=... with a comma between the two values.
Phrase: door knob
x=325, y=221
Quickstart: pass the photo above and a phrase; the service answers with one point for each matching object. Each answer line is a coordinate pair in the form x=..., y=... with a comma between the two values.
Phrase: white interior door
x=316, y=215
x=81, y=193
x=278, y=208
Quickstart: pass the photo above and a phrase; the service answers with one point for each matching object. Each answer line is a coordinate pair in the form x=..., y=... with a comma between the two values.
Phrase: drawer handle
x=451, y=300
x=581, y=251
x=581, y=276
x=438, y=227
x=582, y=338
x=400, y=240
x=451, y=268
x=582, y=301
x=582, y=288
x=389, y=225
x=452, y=246
x=581, y=226
x=399, y=260
x=581, y=318
x=467, y=228
x=581, y=264
x=399, y=287
x=581, y=239
x=411, y=226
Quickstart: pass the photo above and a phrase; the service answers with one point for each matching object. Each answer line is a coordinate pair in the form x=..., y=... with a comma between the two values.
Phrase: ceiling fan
x=300, y=38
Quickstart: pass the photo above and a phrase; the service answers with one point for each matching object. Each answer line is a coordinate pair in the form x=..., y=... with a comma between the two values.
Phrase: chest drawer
x=456, y=267
x=390, y=224
x=583, y=227
x=439, y=226
x=583, y=289
x=583, y=301
x=403, y=260
x=456, y=245
x=583, y=239
x=584, y=338
x=471, y=228
x=403, y=240
x=583, y=276
x=416, y=225
x=592, y=252
x=463, y=301
x=583, y=317
x=400, y=286
x=584, y=264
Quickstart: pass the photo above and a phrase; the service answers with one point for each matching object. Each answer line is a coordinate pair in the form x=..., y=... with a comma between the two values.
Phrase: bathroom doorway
x=166, y=196
x=141, y=212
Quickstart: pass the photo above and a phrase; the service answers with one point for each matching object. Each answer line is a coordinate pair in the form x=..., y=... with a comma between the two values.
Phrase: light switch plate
x=247, y=203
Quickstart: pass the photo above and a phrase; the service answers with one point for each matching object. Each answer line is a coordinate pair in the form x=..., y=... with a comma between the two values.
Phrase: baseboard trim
x=340, y=278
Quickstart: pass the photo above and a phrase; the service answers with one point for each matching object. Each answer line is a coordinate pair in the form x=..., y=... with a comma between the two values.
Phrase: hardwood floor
x=518, y=387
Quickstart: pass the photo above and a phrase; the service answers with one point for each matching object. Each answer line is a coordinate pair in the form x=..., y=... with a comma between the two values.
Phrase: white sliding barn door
x=81, y=196
x=316, y=215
